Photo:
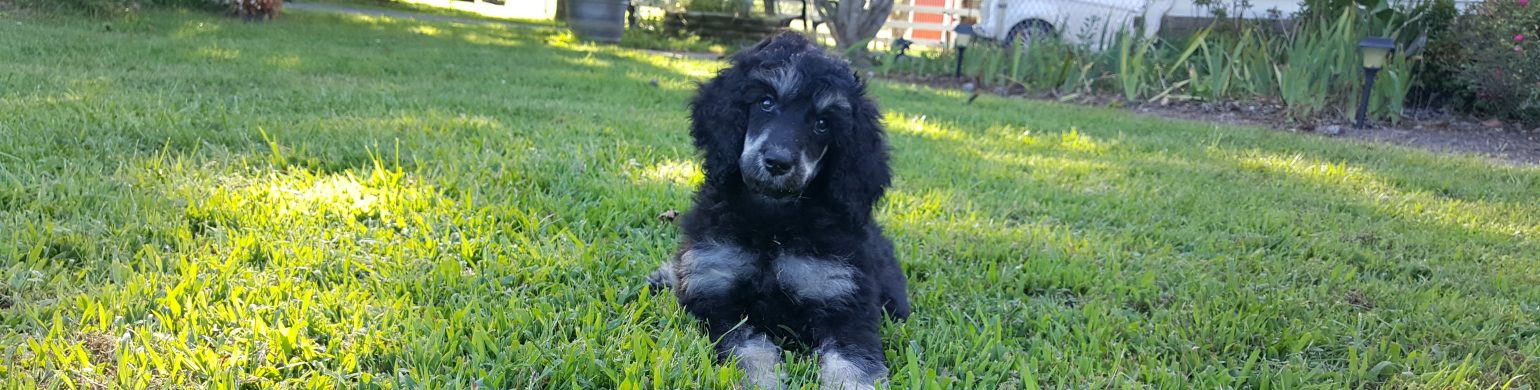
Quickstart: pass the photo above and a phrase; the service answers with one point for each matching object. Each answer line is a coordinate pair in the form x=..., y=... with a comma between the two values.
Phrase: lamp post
x=1374, y=50
x=964, y=35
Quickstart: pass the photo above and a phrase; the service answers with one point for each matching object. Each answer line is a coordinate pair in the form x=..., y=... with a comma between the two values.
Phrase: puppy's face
x=799, y=105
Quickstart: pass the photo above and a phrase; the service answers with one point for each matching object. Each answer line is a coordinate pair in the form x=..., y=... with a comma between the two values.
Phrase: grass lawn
x=429, y=8
x=328, y=201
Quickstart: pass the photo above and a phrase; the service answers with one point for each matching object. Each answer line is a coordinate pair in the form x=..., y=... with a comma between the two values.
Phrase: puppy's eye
x=822, y=126
x=767, y=104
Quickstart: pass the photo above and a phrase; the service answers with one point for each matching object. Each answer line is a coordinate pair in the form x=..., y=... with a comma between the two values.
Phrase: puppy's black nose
x=778, y=163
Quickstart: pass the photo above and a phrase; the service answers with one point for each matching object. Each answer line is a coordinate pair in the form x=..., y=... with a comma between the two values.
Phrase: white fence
x=924, y=25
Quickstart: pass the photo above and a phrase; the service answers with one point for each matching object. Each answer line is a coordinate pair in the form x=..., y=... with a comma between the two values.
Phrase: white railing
x=901, y=24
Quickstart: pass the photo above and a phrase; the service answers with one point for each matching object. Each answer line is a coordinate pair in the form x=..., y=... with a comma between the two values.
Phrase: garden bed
x=1437, y=131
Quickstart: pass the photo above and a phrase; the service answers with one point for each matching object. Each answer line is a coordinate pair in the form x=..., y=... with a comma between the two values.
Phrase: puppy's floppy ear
x=860, y=168
x=718, y=119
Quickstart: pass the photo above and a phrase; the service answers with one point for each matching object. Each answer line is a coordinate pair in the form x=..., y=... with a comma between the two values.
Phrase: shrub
x=1500, y=62
x=1437, y=63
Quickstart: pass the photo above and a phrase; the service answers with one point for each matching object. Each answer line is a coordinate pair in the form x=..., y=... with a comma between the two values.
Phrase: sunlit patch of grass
x=218, y=53
x=373, y=20
x=339, y=194
x=444, y=8
x=918, y=126
x=695, y=69
x=193, y=28
x=1324, y=171
x=1024, y=135
x=1075, y=141
x=336, y=202
x=286, y=61
x=589, y=61
x=905, y=207
x=685, y=173
x=490, y=39
x=426, y=30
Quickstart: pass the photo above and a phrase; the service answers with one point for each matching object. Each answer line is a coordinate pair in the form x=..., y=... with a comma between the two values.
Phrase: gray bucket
x=597, y=20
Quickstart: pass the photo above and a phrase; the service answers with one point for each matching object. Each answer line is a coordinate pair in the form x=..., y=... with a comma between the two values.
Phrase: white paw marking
x=838, y=373
x=758, y=358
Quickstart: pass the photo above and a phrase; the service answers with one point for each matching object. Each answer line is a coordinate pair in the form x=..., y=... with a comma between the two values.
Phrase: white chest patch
x=712, y=269
x=814, y=278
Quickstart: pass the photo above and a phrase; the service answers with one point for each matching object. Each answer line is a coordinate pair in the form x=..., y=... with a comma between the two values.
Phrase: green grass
x=328, y=201
x=440, y=8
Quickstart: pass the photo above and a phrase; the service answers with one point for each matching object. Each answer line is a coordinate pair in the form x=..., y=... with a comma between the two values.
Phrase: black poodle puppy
x=781, y=244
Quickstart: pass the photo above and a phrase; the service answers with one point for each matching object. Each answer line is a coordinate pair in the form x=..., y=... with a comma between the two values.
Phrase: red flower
x=1518, y=38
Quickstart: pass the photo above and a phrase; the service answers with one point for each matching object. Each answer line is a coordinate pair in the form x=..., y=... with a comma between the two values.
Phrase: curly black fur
x=813, y=268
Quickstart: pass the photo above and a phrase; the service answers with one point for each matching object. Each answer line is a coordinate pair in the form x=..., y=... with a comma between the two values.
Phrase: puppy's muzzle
x=775, y=168
x=777, y=162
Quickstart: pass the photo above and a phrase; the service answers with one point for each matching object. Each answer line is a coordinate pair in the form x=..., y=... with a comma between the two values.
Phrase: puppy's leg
x=892, y=284
x=848, y=311
x=889, y=276
x=850, y=348
x=708, y=281
x=851, y=364
x=664, y=277
x=757, y=357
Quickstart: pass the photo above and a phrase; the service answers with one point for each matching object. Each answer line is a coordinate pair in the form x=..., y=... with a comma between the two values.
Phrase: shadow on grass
x=1157, y=218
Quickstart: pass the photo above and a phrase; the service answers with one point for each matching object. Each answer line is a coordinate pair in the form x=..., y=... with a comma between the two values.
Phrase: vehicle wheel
x=1023, y=34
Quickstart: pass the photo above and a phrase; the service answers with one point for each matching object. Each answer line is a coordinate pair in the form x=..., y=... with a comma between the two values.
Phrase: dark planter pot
x=597, y=20
x=723, y=26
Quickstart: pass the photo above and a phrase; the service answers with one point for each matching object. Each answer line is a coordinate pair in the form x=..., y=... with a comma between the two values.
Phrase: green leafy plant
x=1133, y=65
x=1320, y=57
x=1166, y=69
x=1388, y=100
x=1051, y=66
x=1314, y=69
x=1241, y=63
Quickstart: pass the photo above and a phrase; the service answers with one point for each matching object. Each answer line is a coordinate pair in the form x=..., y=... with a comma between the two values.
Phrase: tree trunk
x=854, y=23
x=770, y=7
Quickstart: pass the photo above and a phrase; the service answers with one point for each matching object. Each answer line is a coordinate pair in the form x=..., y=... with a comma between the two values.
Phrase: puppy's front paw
x=664, y=277
x=759, y=359
x=838, y=371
